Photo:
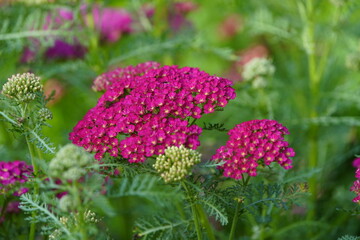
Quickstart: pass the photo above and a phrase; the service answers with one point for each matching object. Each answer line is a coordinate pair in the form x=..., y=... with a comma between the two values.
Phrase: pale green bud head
x=176, y=163
x=45, y=114
x=66, y=203
x=69, y=163
x=22, y=87
x=257, y=71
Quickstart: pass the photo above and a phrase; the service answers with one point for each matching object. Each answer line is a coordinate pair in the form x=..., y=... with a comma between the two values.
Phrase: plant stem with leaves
x=237, y=210
x=193, y=211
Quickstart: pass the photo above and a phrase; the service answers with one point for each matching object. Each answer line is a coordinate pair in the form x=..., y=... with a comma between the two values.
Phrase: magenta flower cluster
x=356, y=186
x=12, y=174
x=254, y=143
x=141, y=115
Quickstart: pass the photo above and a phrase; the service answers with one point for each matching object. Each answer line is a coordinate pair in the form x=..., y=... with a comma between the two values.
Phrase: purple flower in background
x=64, y=50
x=12, y=174
x=11, y=208
x=177, y=16
x=112, y=23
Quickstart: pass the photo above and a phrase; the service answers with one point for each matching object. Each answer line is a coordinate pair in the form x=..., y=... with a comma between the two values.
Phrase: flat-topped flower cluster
x=151, y=110
x=13, y=174
x=253, y=143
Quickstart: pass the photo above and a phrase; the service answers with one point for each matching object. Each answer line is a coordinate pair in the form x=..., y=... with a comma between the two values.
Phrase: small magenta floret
x=254, y=143
x=146, y=109
x=176, y=163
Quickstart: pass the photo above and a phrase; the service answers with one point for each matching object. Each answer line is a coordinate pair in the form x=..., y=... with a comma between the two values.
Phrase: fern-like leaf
x=160, y=227
x=29, y=205
x=347, y=237
x=145, y=186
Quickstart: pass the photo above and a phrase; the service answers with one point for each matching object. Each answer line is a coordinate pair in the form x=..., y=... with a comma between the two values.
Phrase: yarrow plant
x=147, y=114
x=151, y=111
x=254, y=143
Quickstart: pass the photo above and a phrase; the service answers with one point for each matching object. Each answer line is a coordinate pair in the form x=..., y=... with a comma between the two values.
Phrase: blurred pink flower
x=230, y=26
x=54, y=85
x=112, y=23
x=177, y=15
x=356, y=163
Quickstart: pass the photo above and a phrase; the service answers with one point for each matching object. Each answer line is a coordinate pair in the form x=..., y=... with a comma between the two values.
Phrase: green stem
x=36, y=187
x=205, y=222
x=194, y=212
x=314, y=80
x=32, y=231
x=235, y=220
x=81, y=212
x=237, y=209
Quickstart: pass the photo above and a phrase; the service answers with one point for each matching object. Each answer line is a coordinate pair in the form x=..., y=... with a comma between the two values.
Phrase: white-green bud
x=257, y=70
x=69, y=163
x=45, y=114
x=22, y=87
x=176, y=163
x=66, y=202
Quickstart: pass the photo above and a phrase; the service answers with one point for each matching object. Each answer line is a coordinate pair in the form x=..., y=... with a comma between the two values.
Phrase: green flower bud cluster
x=22, y=87
x=257, y=70
x=45, y=114
x=176, y=163
x=69, y=163
x=66, y=203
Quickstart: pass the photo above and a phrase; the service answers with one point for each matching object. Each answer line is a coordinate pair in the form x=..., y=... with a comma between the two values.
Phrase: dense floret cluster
x=69, y=163
x=176, y=163
x=12, y=175
x=102, y=82
x=254, y=143
x=151, y=111
x=22, y=87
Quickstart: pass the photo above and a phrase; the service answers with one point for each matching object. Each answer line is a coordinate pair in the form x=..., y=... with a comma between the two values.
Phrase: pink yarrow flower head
x=254, y=143
x=12, y=176
x=140, y=115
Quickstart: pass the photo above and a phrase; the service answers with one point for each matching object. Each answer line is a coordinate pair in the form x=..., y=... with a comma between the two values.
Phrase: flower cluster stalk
x=237, y=210
x=199, y=216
